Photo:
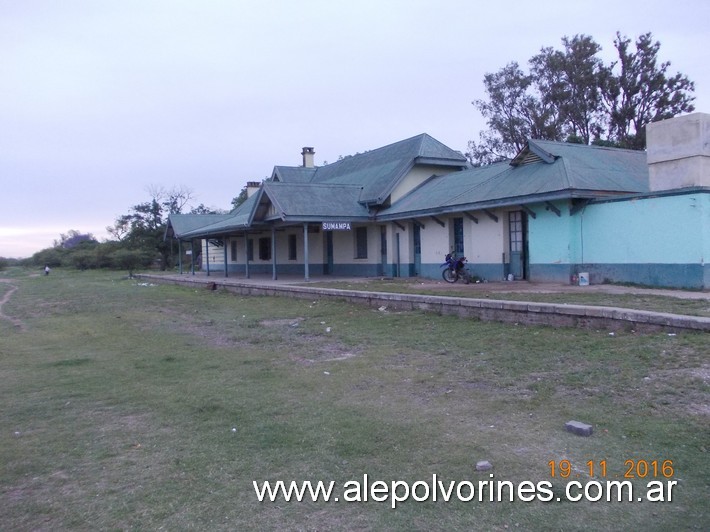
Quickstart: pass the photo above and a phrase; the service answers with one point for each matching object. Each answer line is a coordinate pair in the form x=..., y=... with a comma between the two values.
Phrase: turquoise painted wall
x=665, y=229
x=551, y=237
x=662, y=240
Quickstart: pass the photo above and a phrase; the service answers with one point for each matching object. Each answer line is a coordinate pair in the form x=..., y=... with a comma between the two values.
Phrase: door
x=517, y=231
x=417, y=235
x=383, y=250
x=328, y=266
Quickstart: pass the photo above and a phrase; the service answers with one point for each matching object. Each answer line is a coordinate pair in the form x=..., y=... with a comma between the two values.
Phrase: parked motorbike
x=455, y=269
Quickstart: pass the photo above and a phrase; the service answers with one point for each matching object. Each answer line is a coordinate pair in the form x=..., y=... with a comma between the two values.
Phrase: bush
x=83, y=259
x=52, y=257
x=131, y=259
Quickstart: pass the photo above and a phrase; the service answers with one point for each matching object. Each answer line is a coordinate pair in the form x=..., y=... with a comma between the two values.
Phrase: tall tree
x=143, y=228
x=642, y=92
x=571, y=83
x=570, y=94
x=513, y=114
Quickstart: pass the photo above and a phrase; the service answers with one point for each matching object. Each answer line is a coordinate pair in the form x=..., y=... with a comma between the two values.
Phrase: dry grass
x=119, y=402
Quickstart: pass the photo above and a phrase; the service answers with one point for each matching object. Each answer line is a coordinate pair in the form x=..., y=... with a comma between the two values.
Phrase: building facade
x=554, y=211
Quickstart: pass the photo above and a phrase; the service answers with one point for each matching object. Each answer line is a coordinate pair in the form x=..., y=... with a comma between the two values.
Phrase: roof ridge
x=309, y=184
x=386, y=146
x=590, y=146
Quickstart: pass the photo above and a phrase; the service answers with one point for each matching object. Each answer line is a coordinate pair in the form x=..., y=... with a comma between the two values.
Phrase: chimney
x=308, y=154
x=252, y=186
x=678, y=152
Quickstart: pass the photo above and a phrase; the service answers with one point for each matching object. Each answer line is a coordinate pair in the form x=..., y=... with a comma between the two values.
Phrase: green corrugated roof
x=542, y=171
x=315, y=201
x=378, y=171
x=237, y=219
x=181, y=224
x=575, y=171
x=293, y=174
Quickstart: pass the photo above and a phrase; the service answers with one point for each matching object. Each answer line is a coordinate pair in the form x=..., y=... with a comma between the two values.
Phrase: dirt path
x=5, y=298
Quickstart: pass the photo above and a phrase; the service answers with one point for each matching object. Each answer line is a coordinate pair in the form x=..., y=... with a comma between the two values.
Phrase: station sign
x=336, y=226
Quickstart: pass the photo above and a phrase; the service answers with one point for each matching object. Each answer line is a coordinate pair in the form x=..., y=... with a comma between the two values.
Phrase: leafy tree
x=83, y=259
x=74, y=238
x=103, y=254
x=138, y=237
x=570, y=94
x=571, y=84
x=643, y=93
x=513, y=114
x=120, y=228
x=143, y=228
x=241, y=198
x=131, y=259
x=52, y=257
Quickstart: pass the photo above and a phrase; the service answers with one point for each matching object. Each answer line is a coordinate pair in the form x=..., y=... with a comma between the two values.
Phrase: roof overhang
x=435, y=161
x=503, y=202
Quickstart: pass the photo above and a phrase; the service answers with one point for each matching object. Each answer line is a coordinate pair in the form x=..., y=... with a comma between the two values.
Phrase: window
x=361, y=242
x=292, y=247
x=233, y=244
x=515, y=221
x=250, y=249
x=265, y=248
x=458, y=236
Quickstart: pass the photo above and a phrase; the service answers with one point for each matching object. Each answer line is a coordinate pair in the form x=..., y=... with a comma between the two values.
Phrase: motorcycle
x=455, y=269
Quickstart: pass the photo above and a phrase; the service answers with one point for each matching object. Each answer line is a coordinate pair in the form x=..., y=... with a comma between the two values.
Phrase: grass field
x=127, y=405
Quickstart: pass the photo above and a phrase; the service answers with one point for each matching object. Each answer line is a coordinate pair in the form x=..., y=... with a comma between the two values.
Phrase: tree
x=138, y=236
x=202, y=209
x=512, y=113
x=570, y=94
x=241, y=198
x=142, y=230
x=120, y=228
x=130, y=259
x=571, y=84
x=173, y=200
x=642, y=93
x=52, y=257
x=73, y=239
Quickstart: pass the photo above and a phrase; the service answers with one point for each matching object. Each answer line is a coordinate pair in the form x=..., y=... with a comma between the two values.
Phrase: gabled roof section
x=181, y=224
x=432, y=149
x=311, y=202
x=603, y=169
x=377, y=171
x=575, y=171
x=238, y=219
x=293, y=174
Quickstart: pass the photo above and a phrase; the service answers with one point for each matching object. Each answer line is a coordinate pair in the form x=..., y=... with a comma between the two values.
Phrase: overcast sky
x=100, y=100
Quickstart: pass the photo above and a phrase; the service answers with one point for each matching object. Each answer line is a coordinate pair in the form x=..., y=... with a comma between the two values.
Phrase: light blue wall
x=662, y=240
x=551, y=237
x=665, y=229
